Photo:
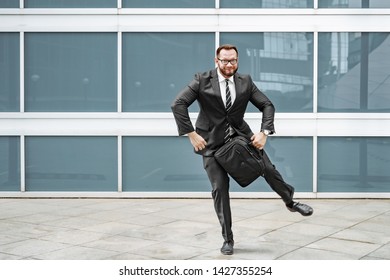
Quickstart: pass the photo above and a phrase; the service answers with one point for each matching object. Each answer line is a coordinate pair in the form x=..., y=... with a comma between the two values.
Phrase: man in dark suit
x=223, y=96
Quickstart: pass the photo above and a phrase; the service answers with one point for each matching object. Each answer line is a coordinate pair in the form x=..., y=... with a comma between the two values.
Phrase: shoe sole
x=303, y=214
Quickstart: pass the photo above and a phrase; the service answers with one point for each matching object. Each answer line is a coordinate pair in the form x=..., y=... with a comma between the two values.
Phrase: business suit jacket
x=212, y=117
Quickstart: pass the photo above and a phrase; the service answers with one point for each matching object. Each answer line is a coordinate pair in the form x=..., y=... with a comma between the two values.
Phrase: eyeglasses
x=226, y=62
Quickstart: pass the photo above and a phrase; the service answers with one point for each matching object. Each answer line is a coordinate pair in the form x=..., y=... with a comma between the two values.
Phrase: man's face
x=230, y=57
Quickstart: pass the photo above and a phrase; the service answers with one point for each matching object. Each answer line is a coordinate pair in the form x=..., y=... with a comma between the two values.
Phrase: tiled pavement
x=187, y=229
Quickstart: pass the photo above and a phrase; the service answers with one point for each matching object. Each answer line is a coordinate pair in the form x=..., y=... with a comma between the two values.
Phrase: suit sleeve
x=261, y=101
x=180, y=105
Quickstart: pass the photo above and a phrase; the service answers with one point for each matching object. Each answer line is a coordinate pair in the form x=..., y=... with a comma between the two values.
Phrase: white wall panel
x=162, y=124
x=243, y=20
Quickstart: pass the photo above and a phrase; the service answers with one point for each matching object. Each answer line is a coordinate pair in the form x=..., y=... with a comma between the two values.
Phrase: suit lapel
x=238, y=87
x=216, y=88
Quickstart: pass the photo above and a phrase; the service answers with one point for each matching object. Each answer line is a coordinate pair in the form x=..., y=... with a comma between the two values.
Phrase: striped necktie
x=228, y=96
x=228, y=106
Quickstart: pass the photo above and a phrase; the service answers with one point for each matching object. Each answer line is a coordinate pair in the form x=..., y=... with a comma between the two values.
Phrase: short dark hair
x=226, y=47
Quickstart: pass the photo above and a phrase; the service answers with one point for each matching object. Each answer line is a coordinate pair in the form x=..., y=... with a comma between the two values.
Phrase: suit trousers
x=219, y=180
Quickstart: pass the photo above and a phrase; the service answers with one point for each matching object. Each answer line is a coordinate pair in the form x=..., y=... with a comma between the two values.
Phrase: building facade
x=86, y=88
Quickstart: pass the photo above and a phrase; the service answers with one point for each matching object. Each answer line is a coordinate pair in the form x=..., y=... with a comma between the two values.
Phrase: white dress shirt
x=222, y=86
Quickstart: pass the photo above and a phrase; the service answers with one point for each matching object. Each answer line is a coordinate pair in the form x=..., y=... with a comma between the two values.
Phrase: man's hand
x=258, y=140
x=197, y=141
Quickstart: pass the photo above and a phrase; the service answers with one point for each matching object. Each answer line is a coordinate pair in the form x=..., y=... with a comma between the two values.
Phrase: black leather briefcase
x=242, y=161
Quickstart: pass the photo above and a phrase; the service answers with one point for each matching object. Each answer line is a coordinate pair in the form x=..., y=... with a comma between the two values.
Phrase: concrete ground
x=188, y=229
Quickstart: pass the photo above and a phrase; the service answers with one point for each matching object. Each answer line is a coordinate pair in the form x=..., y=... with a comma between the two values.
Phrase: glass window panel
x=9, y=3
x=9, y=72
x=353, y=164
x=71, y=163
x=168, y=4
x=162, y=164
x=266, y=4
x=70, y=3
x=156, y=66
x=71, y=72
x=284, y=152
x=352, y=74
x=281, y=65
x=9, y=163
x=171, y=165
x=354, y=4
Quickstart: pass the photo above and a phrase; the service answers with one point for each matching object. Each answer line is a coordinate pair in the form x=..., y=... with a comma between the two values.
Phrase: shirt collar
x=222, y=78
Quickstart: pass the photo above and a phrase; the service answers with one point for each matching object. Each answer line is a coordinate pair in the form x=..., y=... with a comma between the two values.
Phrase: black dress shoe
x=304, y=209
x=227, y=247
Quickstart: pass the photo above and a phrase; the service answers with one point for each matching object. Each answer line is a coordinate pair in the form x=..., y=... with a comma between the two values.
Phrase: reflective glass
x=9, y=3
x=284, y=152
x=156, y=66
x=9, y=163
x=266, y=4
x=70, y=3
x=353, y=75
x=353, y=164
x=354, y=4
x=9, y=72
x=168, y=4
x=169, y=164
x=162, y=164
x=281, y=65
x=71, y=163
x=71, y=72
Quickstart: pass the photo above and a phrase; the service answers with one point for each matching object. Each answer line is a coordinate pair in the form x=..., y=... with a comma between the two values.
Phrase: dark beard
x=228, y=75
